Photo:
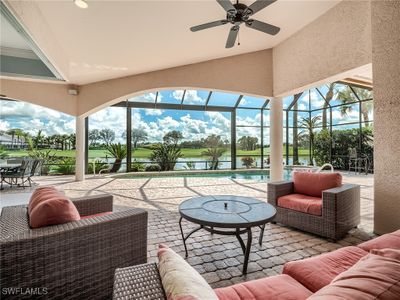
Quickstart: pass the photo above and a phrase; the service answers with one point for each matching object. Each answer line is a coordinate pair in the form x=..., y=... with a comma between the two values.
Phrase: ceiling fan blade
x=259, y=5
x=208, y=25
x=230, y=42
x=227, y=5
x=264, y=27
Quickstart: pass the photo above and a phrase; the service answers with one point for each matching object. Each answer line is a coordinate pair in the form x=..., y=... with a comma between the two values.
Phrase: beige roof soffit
x=6, y=12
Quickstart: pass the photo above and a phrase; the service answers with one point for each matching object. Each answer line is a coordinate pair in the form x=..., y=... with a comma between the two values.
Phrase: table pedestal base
x=237, y=232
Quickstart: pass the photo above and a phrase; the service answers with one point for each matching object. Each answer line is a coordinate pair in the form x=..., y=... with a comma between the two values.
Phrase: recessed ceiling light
x=81, y=3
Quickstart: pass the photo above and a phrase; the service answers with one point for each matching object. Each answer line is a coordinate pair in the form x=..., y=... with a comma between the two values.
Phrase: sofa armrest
x=90, y=205
x=82, y=253
x=342, y=204
x=278, y=189
x=138, y=282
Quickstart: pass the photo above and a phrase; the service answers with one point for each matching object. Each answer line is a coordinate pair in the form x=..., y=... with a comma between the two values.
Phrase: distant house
x=8, y=142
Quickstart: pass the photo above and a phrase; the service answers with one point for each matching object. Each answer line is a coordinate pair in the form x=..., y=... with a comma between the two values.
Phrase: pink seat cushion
x=389, y=240
x=312, y=184
x=280, y=287
x=57, y=210
x=41, y=194
x=316, y=272
x=97, y=215
x=302, y=203
x=390, y=253
x=373, y=277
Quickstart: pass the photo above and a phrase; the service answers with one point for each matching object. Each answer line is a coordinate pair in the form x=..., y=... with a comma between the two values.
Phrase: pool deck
x=217, y=258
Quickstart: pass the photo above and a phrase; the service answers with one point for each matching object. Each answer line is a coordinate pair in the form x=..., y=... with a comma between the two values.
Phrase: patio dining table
x=5, y=167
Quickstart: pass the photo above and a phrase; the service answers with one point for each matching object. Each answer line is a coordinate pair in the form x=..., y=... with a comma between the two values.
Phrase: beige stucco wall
x=47, y=94
x=386, y=71
x=336, y=42
x=249, y=73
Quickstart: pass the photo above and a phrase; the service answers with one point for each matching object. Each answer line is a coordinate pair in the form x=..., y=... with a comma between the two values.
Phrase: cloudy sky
x=157, y=122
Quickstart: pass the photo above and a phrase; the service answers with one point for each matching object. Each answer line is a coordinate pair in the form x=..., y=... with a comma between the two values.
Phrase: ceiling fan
x=239, y=13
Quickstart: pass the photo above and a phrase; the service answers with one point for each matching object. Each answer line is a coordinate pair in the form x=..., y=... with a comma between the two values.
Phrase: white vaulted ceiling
x=112, y=39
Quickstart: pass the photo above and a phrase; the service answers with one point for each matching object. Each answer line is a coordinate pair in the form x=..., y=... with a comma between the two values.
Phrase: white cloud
x=153, y=112
x=32, y=118
x=4, y=125
x=191, y=97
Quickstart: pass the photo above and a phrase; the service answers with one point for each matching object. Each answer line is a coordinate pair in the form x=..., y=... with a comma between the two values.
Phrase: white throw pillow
x=179, y=279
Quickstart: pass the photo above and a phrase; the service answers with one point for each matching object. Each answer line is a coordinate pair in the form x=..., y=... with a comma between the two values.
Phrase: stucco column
x=80, y=149
x=276, y=136
x=386, y=76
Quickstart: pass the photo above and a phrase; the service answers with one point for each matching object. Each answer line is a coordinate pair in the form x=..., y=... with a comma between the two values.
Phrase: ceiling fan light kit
x=81, y=3
x=239, y=13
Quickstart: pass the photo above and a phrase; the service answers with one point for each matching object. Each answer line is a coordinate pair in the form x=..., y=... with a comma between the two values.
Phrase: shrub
x=247, y=161
x=152, y=168
x=137, y=166
x=47, y=156
x=65, y=166
x=166, y=155
x=343, y=140
x=118, y=151
x=99, y=165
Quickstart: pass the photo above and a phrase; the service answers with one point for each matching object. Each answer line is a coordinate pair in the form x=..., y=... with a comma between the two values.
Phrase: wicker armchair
x=340, y=210
x=74, y=260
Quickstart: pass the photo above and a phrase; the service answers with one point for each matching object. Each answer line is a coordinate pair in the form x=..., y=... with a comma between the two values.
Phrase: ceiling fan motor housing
x=241, y=14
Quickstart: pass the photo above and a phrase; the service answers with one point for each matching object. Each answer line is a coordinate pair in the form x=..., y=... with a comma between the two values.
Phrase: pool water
x=261, y=175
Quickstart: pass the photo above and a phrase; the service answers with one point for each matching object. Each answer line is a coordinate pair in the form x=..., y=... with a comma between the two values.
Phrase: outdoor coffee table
x=237, y=214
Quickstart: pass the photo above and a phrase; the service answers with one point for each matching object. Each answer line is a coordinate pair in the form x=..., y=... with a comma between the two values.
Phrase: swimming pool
x=259, y=175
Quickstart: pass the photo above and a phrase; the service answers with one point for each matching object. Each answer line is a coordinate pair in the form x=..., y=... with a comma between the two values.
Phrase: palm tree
x=310, y=124
x=328, y=98
x=118, y=151
x=38, y=139
x=19, y=133
x=346, y=97
x=12, y=133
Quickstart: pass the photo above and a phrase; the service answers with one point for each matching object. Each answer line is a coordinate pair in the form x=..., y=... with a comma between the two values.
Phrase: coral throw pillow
x=57, y=210
x=312, y=184
x=41, y=194
x=180, y=280
x=373, y=277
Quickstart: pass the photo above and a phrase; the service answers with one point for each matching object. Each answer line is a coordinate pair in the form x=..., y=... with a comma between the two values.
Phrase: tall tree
x=93, y=136
x=107, y=136
x=173, y=137
x=138, y=135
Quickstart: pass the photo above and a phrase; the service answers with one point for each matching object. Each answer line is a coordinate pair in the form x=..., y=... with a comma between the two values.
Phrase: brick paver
x=218, y=258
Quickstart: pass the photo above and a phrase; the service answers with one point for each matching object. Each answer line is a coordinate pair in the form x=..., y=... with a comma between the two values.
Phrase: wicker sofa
x=74, y=260
x=299, y=279
x=340, y=210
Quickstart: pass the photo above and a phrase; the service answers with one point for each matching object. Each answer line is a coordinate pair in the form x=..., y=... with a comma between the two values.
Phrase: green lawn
x=144, y=153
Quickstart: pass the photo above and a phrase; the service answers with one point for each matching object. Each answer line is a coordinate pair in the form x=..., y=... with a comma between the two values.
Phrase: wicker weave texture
x=74, y=260
x=340, y=210
x=141, y=282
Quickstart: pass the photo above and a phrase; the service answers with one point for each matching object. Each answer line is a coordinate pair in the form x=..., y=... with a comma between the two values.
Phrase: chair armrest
x=140, y=282
x=75, y=253
x=342, y=204
x=278, y=189
x=90, y=205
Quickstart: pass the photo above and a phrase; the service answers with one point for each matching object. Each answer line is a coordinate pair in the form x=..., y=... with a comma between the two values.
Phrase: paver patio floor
x=218, y=258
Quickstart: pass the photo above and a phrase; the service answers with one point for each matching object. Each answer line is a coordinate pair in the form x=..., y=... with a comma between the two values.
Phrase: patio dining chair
x=23, y=173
